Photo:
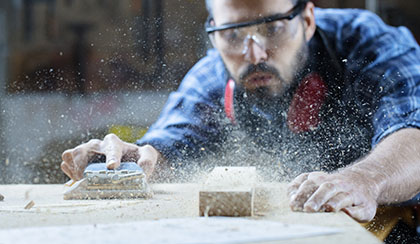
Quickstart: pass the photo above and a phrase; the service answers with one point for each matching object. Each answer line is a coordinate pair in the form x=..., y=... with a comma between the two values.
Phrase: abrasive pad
x=127, y=181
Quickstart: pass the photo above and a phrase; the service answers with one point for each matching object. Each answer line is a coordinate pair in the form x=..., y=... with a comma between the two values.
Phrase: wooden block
x=233, y=203
x=228, y=191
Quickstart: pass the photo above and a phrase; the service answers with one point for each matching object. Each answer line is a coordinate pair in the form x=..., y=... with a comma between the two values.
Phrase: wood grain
x=228, y=191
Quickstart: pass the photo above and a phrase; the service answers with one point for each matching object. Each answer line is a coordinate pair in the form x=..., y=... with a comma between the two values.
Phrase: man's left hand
x=322, y=192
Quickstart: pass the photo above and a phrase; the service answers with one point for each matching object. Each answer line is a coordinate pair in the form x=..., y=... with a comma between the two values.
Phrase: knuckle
x=66, y=156
x=314, y=174
x=94, y=142
x=148, y=147
x=78, y=151
x=309, y=182
x=149, y=150
x=110, y=137
x=328, y=185
x=63, y=165
x=301, y=177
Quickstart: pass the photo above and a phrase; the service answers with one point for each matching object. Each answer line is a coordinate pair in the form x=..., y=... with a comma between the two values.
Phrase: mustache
x=261, y=67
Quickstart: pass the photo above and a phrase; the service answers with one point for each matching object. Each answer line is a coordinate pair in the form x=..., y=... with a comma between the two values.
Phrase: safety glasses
x=270, y=30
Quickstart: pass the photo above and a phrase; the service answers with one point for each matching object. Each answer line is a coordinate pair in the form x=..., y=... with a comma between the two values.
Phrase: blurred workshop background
x=71, y=70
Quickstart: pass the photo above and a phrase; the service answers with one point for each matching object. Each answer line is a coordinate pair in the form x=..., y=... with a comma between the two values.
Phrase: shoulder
x=359, y=31
x=337, y=19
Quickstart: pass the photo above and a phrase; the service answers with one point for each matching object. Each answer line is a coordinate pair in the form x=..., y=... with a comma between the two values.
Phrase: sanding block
x=127, y=181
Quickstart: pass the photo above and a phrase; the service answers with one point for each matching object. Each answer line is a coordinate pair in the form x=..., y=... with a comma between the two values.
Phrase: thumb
x=361, y=213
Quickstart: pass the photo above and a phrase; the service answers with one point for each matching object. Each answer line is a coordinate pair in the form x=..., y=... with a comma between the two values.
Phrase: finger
x=130, y=152
x=293, y=187
x=93, y=148
x=362, y=213
x=80, y=161
x=338, y=202
x=74, y=162
x=304, y=192
x=66, y=156
x=66, y=170
x=112, y=147
x=317, y=176
x=324, y=193
x=148, y=159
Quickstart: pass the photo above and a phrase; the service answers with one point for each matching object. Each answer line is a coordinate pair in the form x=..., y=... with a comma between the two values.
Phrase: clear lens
x=268, y=35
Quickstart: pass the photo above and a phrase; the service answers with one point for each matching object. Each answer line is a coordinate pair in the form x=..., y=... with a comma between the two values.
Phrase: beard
x=265, y=95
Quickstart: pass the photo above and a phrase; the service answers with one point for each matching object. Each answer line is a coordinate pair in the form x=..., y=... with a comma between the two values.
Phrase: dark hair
x=209, y=5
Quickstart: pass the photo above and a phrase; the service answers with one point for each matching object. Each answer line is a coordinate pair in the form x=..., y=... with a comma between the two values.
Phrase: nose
x=254, y=51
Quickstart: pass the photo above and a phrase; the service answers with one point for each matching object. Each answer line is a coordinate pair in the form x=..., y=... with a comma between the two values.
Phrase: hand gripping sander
x=127, y=181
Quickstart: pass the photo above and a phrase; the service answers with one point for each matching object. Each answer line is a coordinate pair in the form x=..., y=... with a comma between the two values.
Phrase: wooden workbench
x=169, y=201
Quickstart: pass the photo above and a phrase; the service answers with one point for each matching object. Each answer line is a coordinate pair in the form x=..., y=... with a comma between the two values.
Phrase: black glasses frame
x=295, y=11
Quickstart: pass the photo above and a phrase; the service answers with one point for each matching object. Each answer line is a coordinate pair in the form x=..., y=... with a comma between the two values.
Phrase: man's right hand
x=114, y=149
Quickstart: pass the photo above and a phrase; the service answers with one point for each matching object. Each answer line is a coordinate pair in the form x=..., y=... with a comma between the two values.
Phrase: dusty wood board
x=228, y=191
x=170, y=201
x=183, y=230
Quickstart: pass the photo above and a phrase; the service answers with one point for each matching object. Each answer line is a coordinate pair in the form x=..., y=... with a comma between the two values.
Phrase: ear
x=211, y=36
x=309, y=21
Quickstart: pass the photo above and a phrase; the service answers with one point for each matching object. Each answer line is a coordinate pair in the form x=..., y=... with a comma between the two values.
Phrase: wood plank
x=169, y=201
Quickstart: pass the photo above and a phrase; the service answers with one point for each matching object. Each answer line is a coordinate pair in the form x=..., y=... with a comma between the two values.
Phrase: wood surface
x=169, y=201
x=228, y=191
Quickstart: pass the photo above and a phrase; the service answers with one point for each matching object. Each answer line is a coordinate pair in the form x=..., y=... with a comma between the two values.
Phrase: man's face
x=265, y=58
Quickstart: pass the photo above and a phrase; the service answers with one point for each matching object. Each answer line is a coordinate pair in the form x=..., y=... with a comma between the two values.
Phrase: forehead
x=231, y=11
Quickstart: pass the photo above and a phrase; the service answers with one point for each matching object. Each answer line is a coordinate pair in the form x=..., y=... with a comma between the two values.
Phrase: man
x=338, y=86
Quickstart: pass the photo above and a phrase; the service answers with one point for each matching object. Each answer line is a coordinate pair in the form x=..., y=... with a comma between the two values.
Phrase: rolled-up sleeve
x=399, y=107
x=383, y=63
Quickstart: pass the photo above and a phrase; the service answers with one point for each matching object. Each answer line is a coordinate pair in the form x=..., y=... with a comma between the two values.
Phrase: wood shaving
x=30, y=205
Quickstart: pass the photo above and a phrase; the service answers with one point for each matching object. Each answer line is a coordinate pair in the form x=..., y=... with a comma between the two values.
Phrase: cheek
x=283, y=58
x=233, y=64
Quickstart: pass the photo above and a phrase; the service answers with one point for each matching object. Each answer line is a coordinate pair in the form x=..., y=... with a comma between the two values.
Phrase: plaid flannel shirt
x=389, y=57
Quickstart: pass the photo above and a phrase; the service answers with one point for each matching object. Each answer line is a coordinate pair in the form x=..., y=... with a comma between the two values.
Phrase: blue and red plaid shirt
x=381, y=62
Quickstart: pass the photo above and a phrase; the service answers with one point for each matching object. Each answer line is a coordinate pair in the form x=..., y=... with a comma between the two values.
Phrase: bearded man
x=338, y=86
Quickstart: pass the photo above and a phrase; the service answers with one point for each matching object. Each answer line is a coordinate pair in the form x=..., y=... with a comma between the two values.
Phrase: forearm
x=392, y=168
